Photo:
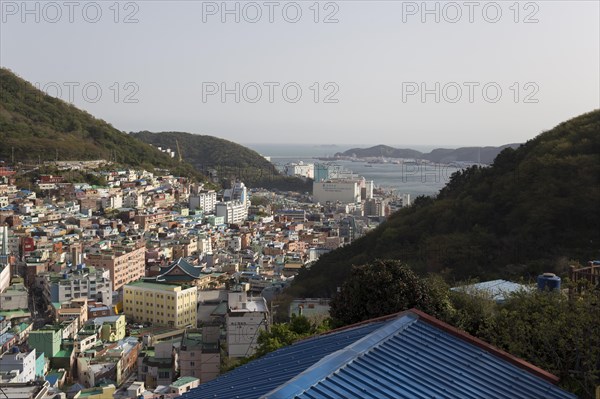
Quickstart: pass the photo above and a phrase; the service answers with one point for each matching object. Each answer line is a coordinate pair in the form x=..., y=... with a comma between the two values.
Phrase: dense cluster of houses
x=147, y=281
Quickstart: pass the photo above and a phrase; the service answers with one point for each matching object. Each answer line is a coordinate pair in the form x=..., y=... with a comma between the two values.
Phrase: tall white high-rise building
x=4, y=266
x=238, y=192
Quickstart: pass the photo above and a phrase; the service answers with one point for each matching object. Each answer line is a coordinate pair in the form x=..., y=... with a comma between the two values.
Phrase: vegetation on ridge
x=229, y=160
x=533, y=207
x=37, y=127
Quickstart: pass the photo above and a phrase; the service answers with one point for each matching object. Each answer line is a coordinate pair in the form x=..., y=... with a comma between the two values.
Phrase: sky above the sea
x=373, y=72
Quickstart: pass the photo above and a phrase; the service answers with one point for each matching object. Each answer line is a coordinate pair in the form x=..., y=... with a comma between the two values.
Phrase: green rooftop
x=220, y=309
x=192, y=340
x=181, y=381
x=18, y=313
x=64, y=353
x=155, y=286
x=90, y=392
x=149, y=352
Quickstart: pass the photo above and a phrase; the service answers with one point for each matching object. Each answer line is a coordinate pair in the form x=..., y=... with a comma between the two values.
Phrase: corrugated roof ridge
x=340, y=358
x=520, y=363
x=361, y=323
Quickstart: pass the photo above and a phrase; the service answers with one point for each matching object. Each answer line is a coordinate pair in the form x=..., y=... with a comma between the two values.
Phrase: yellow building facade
x=160, y=304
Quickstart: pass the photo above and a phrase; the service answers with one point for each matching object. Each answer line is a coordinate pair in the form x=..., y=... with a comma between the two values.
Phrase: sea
x=407, y=177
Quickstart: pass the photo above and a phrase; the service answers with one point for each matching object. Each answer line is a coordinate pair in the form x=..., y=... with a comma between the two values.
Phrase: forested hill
x=535, y=208
x=485, y=155
x=230, y=160
x=35, y=126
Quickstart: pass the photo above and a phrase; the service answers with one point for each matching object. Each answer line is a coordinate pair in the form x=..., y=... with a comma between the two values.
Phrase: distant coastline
x=319, y=150
x=334, y=152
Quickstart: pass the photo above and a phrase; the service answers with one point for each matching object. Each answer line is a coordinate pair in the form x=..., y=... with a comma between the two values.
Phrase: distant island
x=483, y=155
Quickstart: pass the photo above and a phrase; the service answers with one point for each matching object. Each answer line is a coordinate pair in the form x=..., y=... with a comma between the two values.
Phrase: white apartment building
x=206, y=200
x=232, y=211
x=91, y=283
x=112, y=202
x=133, y=199
x=204, y=244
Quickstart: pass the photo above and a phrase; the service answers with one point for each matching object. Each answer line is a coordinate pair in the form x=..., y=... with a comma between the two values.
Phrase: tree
x=279, y=336
x=472, y=312
x=555, y=332
x=384, y=287
x=283, y=334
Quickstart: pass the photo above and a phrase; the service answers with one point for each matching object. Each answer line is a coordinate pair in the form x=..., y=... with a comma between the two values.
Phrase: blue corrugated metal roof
x=260, y=376
x=406, y=357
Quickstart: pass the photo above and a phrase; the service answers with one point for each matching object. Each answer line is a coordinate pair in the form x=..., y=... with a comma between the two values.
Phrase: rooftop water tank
x=548, y=281
x=15, y=349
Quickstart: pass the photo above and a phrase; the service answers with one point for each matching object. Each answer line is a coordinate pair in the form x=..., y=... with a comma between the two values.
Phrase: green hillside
x=35, y=126
x=228, y=159
x=535, y=208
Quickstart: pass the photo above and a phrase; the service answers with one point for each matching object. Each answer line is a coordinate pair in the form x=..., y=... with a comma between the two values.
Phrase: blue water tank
x=15, y=349
x=548, y=281
x=65, y=276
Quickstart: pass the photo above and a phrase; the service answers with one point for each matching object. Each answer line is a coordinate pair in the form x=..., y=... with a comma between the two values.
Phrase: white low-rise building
x=300, y=169
x=84, y=282
x=246, y=317
x=19, y=367
x=344, y=191
x=13, y=298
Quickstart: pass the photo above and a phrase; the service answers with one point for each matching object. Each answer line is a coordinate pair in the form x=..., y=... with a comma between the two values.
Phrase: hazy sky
x=378, y=72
